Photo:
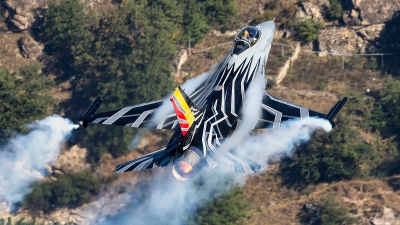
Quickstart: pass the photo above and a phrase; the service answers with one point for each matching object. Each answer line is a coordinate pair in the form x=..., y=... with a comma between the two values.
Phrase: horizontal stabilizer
x=160, y=158
x=145, y=162
x=231, y=161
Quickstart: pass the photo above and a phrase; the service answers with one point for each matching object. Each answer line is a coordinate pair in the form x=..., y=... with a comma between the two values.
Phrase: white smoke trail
x=280, y=141
x=23, y=158
x=251, y=112
x=135, y=141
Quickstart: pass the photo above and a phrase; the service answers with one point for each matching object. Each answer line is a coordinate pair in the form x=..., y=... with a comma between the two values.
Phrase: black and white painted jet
x=203, y=120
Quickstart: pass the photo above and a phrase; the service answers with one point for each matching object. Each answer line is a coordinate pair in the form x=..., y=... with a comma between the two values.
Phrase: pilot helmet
x=246, y=33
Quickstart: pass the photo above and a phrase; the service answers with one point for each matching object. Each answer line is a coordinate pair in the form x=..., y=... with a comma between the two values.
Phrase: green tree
x=24, y=96
x=386, y=115
x=336, y=10
x=66, y=29
x=308, y=30
x=196, y=27
x=220, y=12
x=69, y=190
x=228, y=209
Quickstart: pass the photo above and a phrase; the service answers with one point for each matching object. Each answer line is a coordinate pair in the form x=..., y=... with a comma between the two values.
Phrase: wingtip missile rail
x=90, y=112
x=335, y=110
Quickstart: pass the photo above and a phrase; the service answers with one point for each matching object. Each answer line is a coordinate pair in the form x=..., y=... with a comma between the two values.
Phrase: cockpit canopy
x=246, y=38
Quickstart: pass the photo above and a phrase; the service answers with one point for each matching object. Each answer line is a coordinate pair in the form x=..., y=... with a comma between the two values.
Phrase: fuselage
x=219, y=99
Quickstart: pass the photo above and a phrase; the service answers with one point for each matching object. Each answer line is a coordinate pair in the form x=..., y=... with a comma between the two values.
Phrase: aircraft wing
x=160, y=158
x=131, y=116
x=276, y=110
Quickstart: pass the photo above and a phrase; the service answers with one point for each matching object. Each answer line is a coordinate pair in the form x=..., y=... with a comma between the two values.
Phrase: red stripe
x=181, y=116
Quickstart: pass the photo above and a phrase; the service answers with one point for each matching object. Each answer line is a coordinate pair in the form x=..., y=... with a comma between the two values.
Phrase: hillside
x=135, y=51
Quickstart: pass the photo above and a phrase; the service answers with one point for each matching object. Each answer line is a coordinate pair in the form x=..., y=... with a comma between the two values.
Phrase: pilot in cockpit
x=249, y=38
x=246, y=36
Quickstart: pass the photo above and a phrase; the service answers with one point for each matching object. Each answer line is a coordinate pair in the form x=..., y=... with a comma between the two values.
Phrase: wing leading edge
x=131, y=116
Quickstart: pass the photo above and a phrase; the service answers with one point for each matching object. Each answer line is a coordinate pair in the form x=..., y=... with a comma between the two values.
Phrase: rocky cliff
x=361, y=24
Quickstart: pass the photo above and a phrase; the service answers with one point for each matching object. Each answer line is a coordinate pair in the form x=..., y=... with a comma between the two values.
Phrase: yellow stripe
x=190, y=118
x=187, y=112
x=181, y=100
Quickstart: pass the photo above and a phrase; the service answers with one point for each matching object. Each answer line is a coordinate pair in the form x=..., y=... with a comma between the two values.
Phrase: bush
x=228, y=209
x=271, y=5
x=333, y=213
x=386, y=114
x=372, y=63
x=308, y=30
x=69, y=190
x=214, y=53
x=271, y=83
x=336, y=10
x=122, y=55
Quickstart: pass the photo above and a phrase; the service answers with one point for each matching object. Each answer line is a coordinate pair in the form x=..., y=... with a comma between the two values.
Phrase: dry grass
x=326, y=74
x=276, y=59
x=10, y=55
x=318, y=103
x=254, y=11
x=201, y=62
x=273, y=203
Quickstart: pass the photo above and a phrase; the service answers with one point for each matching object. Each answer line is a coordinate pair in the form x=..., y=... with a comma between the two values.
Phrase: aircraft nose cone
x=268, y=24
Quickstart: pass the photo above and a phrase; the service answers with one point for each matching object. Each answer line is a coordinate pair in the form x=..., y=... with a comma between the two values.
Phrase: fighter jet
x=206, y=117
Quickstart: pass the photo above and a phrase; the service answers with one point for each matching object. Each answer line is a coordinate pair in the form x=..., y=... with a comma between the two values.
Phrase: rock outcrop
x=366, y=12
x=317, y=10
x=22, y=13
x=73, y=160
x=29, y=48
x=366, y=19
x=370, y=33
x=386, y=217
x=340, y=40
x=180, y=58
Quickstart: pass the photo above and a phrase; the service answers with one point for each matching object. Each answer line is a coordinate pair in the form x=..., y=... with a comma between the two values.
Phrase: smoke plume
x=23, y=158
x=251, y=112
x=280, y=141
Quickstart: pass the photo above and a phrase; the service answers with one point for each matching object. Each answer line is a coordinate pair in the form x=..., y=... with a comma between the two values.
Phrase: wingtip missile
x=84, y=120
x=335, y=110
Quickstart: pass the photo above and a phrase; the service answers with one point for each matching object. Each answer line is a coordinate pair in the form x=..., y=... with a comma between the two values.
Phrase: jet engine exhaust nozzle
x=187, y=164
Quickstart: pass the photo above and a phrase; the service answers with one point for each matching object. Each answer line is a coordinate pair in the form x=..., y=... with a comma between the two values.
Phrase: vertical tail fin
x=184, y=109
